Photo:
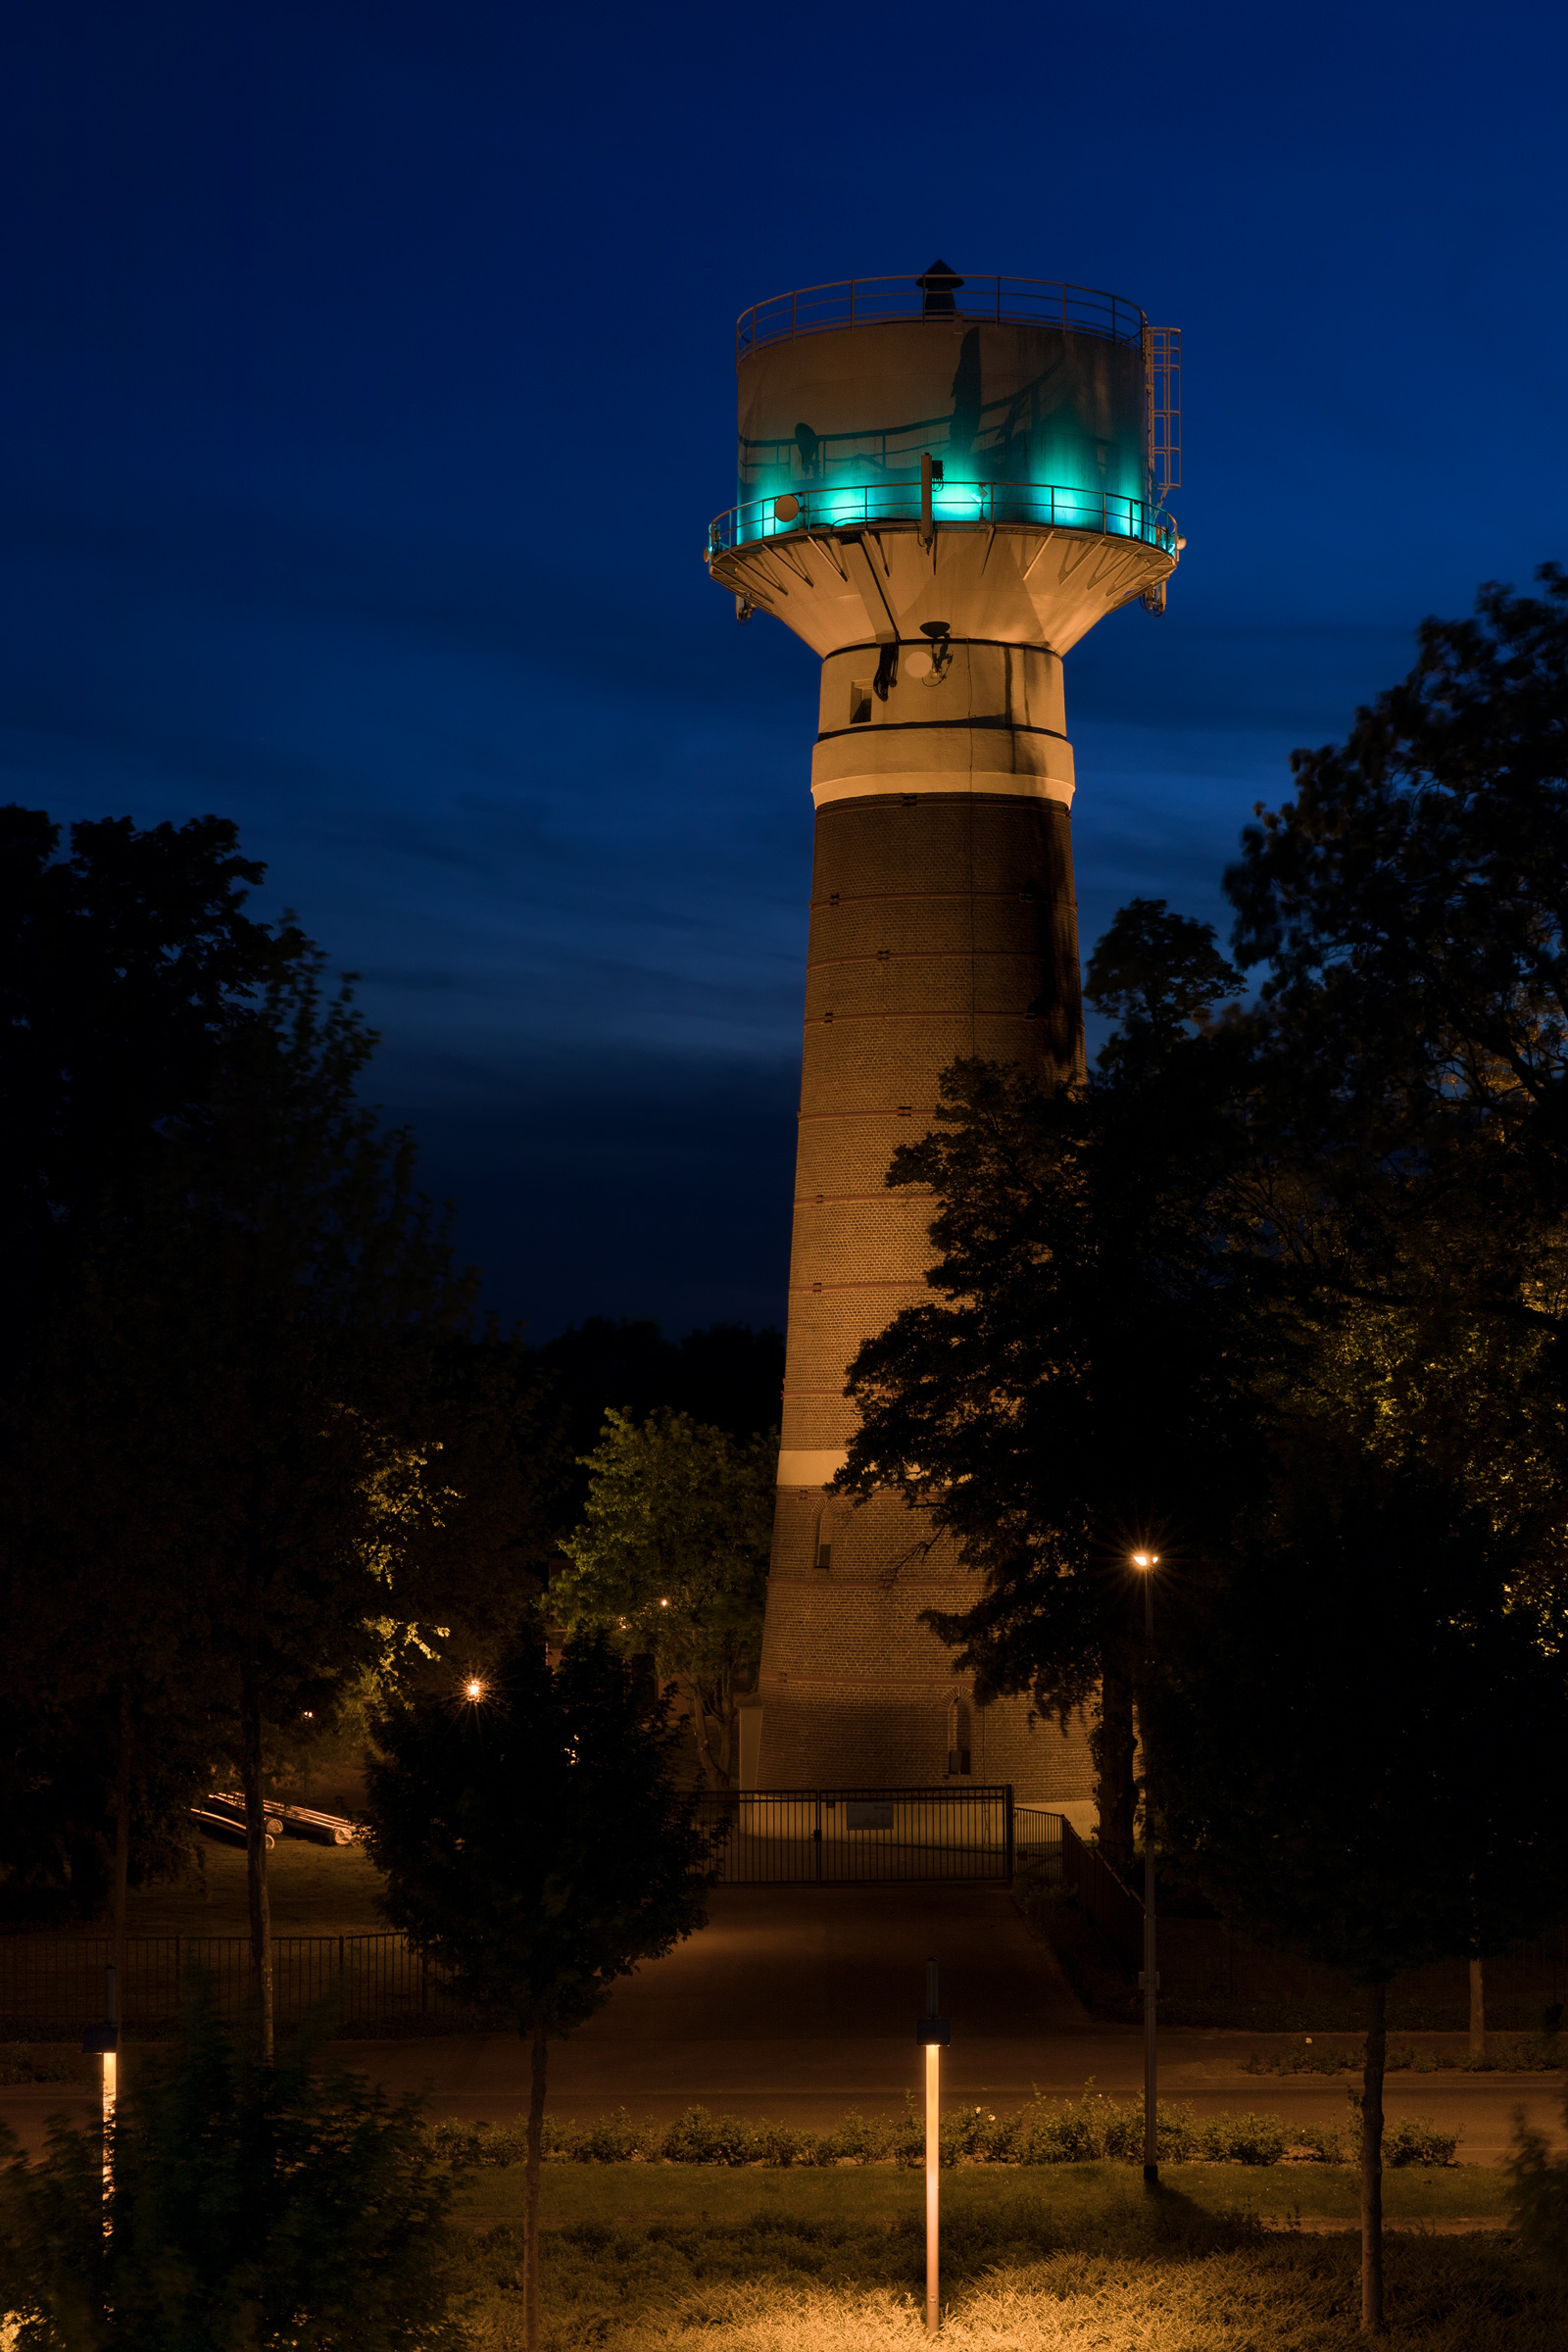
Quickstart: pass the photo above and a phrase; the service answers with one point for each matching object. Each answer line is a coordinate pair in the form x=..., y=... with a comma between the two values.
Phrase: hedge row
x=1088, y=2129
x=1520, y=2054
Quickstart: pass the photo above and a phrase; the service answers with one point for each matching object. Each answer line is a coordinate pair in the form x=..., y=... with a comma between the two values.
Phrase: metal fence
x=1205, y=1966
x=860, y=1837
x=52, y=1985
x=1115, y=1910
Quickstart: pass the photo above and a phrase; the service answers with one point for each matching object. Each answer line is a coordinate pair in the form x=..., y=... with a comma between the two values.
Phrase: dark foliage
x=255, y=2206
x=1086, y=1380
x=534, y=1842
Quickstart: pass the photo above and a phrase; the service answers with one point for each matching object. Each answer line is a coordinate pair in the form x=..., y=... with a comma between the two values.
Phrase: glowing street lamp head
x=473, y=1689
x=1145, y=1559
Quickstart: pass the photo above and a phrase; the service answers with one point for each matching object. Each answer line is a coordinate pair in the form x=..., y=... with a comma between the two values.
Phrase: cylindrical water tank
x=1029, y=398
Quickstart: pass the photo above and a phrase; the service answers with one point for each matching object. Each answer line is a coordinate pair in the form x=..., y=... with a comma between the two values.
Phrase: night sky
x=372, y=387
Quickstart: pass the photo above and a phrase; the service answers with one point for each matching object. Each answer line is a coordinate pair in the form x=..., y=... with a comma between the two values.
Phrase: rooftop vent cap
x=937, y=285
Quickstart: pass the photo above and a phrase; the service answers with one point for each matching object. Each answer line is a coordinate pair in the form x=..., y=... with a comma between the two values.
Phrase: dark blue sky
x=372, y=385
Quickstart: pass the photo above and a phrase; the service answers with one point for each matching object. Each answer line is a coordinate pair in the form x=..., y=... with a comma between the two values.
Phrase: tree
x=1086, y=1376
x=126, y=967
x=726, y=1376
x=1411, y=905
x=671, y=1560
x=234, y=1380
x=251, y=2204
x=1355, y=1738
x=536, y=1847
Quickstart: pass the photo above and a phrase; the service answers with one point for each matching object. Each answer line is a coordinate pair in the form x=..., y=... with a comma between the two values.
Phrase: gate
x=859, y=1837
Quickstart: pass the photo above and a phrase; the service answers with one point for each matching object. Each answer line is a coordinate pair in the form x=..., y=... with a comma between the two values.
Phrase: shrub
x=611, y=2139
x=251, y=2205
x=1522, y=2054
x=1322, y=2142
x=21, y=2063
x=698, y=2137
x=1242, y=2138
x=783, y=2143
x=1414, y=2141
x=1307, y=2057
x=1090, y=2129
x=859, y=2139
x=1538, y=2192
x=969, y=2133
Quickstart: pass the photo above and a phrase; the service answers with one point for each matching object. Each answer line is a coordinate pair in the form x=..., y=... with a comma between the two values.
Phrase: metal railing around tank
x=973, y=300
x=1041, y=505
x=859, y=1837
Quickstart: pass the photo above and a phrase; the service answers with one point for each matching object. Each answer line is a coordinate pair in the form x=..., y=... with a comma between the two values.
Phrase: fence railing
x=860, y=1837
x=1202, y=1961
x=54, y=1984
x=1043, y=505
x=971, y=301
x=1115, y=1909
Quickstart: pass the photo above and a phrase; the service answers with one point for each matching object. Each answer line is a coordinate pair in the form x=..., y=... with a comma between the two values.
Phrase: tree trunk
x=256, y=1858
x=1112, y=1746
x=1377, y=2044
x=1478, y=2010
x=722, y=1711
x=122, y=1893
x=530, y=2225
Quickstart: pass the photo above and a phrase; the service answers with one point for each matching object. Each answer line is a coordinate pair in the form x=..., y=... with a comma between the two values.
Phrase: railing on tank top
x=974, y=301
x=1040, y=505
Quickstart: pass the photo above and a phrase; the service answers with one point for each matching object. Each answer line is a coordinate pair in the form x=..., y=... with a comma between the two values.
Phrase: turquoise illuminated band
x=1041, y=505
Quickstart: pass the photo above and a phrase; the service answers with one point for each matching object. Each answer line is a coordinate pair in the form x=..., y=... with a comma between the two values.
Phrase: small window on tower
x=958, y=1738
x=860, y=702
x=824, y=1555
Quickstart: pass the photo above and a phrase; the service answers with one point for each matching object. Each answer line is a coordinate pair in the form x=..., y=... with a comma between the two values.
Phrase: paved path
x=801, y=2003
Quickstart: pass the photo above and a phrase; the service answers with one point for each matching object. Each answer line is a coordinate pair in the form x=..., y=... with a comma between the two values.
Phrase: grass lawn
x=1057, y=2258
x=641, y=2196
x=314, y=1890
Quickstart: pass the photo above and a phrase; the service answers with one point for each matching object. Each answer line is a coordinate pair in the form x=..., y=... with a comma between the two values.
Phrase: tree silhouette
x=536, y=1846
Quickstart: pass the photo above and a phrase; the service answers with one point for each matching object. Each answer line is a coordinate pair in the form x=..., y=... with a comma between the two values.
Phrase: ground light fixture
x=932, y=2032
x=1148, y=1562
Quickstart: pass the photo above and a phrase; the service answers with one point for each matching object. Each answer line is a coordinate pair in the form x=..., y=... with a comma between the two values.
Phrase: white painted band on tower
x=805, y=1469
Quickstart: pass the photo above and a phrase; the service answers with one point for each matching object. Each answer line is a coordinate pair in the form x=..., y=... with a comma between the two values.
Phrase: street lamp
x=1148, y=1562
x=473, y=1689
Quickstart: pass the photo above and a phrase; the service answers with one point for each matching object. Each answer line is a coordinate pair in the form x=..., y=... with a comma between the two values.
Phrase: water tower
x=945, y=482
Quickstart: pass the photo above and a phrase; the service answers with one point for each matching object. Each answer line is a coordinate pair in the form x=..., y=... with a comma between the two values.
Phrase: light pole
x=932, y=2031
x=1148, y=1562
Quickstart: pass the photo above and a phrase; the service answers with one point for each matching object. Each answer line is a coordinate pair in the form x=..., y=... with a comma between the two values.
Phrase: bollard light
x=103, y=2042
x=932, y=2032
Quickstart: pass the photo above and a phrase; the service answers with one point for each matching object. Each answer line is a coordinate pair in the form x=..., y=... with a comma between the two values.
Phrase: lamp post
x=932, y=2031
x=1148, y=1562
